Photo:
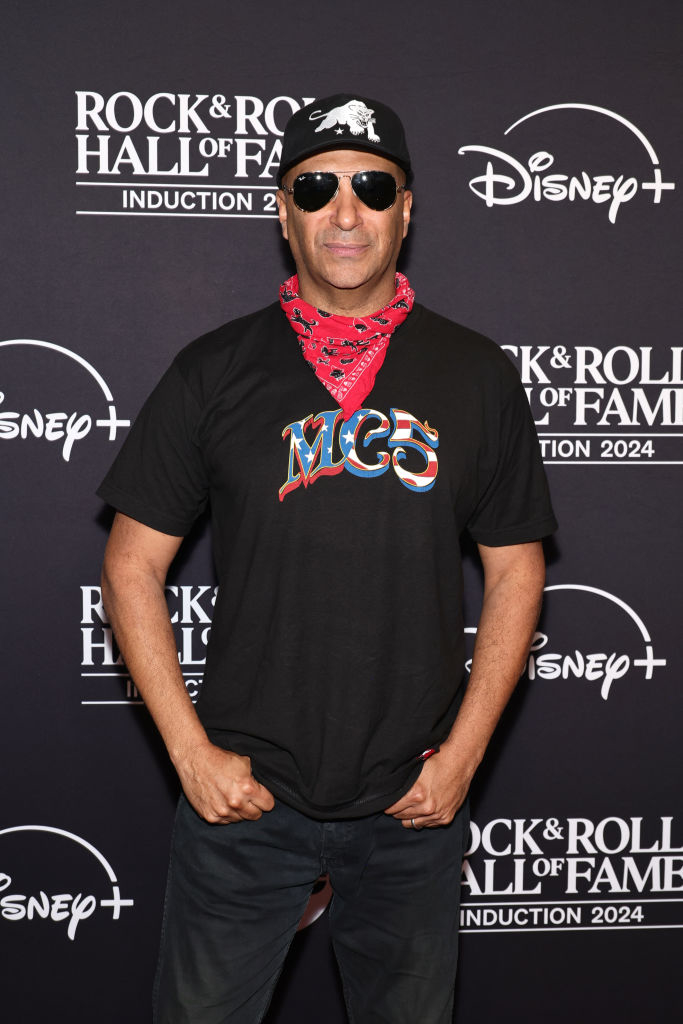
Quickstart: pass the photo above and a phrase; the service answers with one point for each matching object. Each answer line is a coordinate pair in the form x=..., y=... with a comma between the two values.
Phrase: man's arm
x=218, y=783
x=513, y=588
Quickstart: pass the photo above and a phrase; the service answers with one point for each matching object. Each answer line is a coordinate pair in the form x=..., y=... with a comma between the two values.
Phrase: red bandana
x=346, y=352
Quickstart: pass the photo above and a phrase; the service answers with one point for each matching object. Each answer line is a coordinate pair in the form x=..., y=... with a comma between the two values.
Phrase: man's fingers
x=408, y=813
x=414, y=809
x=222, y=815
x=263, y=798
x=417, y=824
x=409, y=800
x=250, y=812
x=251, y=803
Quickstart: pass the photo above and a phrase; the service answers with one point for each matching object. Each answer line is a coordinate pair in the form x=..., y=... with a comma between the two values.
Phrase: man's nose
x=346, y=207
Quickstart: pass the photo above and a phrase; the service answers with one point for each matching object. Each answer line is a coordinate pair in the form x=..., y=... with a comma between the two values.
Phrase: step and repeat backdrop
x=140, y=147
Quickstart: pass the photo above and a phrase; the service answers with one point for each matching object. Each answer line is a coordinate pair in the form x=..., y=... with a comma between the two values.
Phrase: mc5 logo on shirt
x=317, y=454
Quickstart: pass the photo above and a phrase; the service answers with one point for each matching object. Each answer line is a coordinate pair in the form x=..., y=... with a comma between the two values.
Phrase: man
x=332, y=733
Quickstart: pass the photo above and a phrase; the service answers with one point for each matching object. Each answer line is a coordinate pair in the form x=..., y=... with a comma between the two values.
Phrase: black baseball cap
x=344, y=121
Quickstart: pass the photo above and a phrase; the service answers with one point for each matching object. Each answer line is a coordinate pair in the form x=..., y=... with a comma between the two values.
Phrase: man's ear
x=282, y=211
x=407, y=205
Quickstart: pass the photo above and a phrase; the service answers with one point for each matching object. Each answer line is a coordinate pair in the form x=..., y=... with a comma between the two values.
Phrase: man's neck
x=348, y=301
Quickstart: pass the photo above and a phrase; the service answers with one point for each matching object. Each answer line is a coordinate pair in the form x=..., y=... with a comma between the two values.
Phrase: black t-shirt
x=336, y=654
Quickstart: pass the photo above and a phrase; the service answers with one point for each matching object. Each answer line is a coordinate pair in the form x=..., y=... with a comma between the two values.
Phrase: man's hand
x=436, y=795
x=220, y=786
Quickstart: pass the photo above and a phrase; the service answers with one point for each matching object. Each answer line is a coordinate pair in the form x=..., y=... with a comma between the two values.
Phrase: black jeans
x=237, y=892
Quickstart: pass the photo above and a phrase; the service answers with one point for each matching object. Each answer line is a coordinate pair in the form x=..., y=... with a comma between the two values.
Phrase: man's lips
x=345, y=249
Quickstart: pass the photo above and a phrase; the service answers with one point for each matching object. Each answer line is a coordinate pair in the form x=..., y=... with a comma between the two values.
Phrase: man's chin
x=345, y=275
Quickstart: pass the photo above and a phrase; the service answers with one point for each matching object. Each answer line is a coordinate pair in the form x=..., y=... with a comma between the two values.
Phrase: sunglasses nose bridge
x=345, y=204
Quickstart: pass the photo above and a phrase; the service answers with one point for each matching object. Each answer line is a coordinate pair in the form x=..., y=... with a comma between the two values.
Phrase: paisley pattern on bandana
x=345, y=352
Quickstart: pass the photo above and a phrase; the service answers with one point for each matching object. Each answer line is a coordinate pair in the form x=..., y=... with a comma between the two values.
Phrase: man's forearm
x=137, y=609
x=509, y=614
x=218, y=783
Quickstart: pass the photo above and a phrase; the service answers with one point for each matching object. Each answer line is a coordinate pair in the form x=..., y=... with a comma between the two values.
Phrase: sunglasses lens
x=377, y=189
x=314, y=189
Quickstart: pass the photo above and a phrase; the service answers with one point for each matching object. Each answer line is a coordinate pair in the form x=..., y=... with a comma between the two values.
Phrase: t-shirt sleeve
x=514, y=507
x=159, y=476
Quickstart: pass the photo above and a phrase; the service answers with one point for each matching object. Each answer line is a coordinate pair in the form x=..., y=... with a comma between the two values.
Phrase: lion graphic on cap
x=354, y=114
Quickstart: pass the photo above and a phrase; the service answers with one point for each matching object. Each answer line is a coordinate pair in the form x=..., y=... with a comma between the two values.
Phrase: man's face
x=345, y=253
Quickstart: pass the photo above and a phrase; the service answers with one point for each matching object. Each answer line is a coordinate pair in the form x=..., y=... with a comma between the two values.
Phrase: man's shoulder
x=451, y=341
x=221, y=340
x=204, y=362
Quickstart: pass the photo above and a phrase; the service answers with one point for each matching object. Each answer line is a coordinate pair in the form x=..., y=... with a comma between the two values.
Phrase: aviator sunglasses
x=315, y=189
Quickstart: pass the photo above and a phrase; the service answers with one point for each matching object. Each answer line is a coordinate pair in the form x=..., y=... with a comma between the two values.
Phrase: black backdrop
x=140, y=143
